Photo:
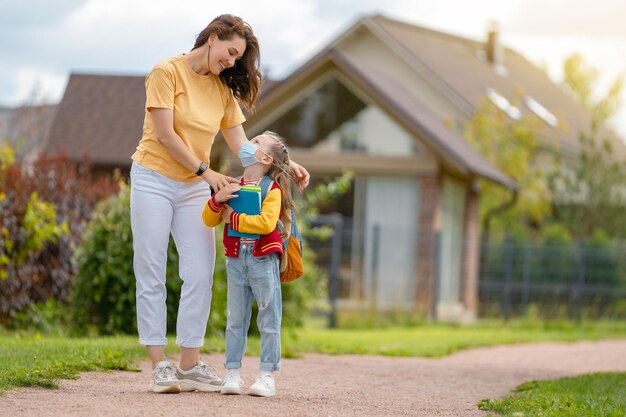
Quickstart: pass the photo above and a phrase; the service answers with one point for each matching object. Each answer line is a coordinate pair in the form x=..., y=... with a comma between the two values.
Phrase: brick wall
x=469, y=295
x=429, y=225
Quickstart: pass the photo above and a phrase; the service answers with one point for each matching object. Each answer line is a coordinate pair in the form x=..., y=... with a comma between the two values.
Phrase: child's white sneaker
x=232, y=383
x=264, y=386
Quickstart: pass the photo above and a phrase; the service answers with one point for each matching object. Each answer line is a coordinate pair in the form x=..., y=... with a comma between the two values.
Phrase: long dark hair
x=244, y=78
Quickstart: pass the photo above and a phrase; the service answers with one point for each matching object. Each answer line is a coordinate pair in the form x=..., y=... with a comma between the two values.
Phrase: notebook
x=248, y=202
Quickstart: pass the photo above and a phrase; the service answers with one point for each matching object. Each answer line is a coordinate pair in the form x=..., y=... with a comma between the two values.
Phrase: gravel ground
x=321, y=385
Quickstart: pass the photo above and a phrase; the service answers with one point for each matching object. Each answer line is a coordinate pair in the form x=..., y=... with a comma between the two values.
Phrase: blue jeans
x=259, y=277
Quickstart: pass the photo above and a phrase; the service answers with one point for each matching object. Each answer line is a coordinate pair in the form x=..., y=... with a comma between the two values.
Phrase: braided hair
x=280, y=171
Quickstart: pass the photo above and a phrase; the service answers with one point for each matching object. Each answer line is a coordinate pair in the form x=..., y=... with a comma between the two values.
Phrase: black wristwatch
x=203, y=167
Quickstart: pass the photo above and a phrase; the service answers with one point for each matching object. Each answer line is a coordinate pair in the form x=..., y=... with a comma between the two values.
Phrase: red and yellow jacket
x=263, y=224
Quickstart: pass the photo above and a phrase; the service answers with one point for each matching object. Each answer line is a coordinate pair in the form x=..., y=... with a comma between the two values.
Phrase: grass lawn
x=442, y=340
x=39, y=361
x=601, y=394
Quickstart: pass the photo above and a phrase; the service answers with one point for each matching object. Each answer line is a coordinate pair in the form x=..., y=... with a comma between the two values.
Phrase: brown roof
x=102, y=114
x=459, y=66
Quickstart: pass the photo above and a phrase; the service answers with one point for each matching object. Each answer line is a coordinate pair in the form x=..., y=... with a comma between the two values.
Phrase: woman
x=188, y=99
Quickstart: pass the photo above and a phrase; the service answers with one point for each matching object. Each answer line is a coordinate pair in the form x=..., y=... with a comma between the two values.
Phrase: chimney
x=495, y=53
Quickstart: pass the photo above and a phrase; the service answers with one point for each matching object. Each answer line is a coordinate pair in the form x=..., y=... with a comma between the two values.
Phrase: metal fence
x=571, y=280
x=516, y=278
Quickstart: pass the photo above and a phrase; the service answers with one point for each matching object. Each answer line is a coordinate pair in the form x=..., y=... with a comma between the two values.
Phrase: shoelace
x=206, y=369
x=166, y=372
x=232, y=377
x=265, y=380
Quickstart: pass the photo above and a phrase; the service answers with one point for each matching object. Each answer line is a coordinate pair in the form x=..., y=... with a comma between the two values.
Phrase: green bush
x=50, y=317
x=601, y=261
x=42, y=214
x=558, y=257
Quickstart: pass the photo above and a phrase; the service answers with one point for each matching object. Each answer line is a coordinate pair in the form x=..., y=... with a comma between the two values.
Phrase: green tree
x=513, y=146
x=590, y=190
x=580, y=79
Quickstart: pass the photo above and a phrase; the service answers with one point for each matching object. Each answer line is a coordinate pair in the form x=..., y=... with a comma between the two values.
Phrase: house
x=26, y=127
x=375, y=101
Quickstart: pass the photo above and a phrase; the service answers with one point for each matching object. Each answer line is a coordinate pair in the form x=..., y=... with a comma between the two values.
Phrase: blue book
x=248, y=202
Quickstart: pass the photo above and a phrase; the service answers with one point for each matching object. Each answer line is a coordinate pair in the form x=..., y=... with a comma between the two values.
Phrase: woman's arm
x=235, y=137
x=163, y=121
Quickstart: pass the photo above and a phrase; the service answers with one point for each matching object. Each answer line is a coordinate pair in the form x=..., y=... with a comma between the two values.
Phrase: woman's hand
x=226, y=211
x=302, y=175
x=216, y=180
x=226, y=193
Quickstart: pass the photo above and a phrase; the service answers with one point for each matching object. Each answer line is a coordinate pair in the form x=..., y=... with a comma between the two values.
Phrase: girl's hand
x=302, y=175
x=226, y=193
x=226, y=213
x=216, y=180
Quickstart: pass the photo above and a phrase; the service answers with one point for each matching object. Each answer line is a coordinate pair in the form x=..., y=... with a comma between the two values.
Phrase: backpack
x=291, y=264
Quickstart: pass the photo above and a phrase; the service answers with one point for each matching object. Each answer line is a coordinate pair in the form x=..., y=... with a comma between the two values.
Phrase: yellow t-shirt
x=202, y=105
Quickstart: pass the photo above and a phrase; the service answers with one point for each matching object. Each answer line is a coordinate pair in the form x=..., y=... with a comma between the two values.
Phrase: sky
x=43, y=41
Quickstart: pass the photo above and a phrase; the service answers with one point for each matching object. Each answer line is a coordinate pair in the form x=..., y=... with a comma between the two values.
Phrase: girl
x=252, y=265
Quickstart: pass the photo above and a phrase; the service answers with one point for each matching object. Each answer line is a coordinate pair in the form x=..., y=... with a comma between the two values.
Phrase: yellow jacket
x=263, y=224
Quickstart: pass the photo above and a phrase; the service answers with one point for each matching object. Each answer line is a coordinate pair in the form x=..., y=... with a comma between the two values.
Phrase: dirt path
x=320, y=385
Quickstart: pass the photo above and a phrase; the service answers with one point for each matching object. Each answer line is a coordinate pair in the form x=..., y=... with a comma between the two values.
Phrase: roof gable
x=390, y=95
x=417, y=115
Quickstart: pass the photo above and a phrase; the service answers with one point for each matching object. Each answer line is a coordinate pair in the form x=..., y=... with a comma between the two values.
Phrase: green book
x=256, y=188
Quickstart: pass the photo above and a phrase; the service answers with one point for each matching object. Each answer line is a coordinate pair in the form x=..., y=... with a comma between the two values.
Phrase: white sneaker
x=263, y=386
x=232, y=384
x=164, y=379
x=201, y=378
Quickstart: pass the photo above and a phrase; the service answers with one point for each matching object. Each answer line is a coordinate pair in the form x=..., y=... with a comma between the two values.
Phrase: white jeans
x=158, y=206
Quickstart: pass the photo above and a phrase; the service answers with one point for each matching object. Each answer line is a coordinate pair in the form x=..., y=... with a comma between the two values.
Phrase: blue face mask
x=247, y=154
